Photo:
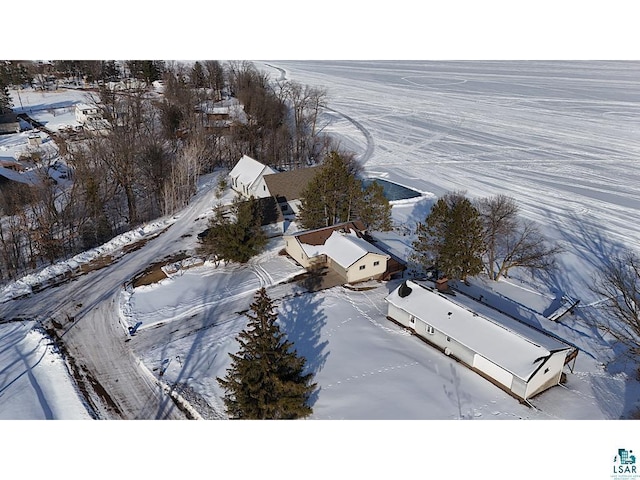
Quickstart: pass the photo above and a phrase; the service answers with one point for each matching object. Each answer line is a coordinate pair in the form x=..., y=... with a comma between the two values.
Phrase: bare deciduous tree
x=525, y=247
x=618, y=283
x=510, y=241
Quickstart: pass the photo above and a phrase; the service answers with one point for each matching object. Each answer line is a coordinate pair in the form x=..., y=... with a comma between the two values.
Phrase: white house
x=516, y=357
x=87, y=113
x=342, y=249
x=247, y=178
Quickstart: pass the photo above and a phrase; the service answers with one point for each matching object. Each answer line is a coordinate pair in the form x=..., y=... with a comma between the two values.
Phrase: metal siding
x=540, y=380
x=499, y=374
x=399, y=315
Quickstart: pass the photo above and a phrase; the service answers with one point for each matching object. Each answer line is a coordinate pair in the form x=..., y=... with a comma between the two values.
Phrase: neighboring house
x=287, y=187
x=217, y=117
x=9, y=123
x=516, y=357
x=222, y=115
x=342, y=248
x=87, y=113
x=247, y=178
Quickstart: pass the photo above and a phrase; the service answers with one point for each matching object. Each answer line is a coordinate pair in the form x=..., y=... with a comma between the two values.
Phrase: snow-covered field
x=560, y=137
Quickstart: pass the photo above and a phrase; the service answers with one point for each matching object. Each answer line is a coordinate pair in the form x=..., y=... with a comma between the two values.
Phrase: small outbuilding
x=519, y=358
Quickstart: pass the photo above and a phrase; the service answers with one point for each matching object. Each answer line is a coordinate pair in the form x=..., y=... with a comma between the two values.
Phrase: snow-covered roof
x=248, y=170
x=514, y=346
x=343, y=248
x=26, y=177
x=86, y=106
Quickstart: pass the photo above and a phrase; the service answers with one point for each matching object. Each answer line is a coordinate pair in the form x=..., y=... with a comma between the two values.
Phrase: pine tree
x=335, y=195
x=235, y=239
x=197, y=75
x=451, y=238
x=5, y=100
x=374, y=209
x=5, y=96
x=266, y=379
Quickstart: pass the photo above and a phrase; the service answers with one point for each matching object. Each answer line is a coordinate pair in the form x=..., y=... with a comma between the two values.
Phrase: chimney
x=442, y=284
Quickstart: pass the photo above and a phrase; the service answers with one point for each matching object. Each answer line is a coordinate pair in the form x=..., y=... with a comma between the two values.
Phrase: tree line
x=156, y=147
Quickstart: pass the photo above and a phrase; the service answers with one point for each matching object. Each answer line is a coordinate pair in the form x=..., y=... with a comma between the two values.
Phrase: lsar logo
x=624, y=465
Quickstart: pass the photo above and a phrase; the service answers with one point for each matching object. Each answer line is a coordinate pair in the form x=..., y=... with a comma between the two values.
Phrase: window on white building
x=362, y=267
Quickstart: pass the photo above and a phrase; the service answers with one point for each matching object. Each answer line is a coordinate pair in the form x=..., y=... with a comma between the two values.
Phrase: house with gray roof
x=287, y=187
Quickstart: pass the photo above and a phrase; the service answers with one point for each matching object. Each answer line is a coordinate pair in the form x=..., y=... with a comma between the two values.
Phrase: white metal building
x=518, y=358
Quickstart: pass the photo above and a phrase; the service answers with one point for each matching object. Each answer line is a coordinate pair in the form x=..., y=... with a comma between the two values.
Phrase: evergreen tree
x=235, y=239
x=147, y=70
x=5, y=99
x=266, y=379
x=5, y=96
x=375, y=209
x=451, y=238
x=197, y=75
x=335, y=195
x=109, y=71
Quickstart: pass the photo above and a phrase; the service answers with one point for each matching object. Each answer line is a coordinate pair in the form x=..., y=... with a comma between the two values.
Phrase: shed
x=519, y=358
x=246, y=177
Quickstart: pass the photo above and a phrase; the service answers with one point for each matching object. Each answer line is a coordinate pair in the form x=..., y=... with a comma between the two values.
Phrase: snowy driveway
x=86, y=314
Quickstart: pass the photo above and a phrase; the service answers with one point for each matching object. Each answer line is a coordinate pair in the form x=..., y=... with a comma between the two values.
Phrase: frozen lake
x=560, y=137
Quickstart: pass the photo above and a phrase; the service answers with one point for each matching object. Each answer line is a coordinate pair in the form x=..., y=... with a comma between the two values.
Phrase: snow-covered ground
x=561, y=138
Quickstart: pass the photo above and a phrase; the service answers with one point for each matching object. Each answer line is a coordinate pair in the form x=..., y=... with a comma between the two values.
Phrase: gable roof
x=286, y=186
x=248, y=171
x=347, y=248
x=515, y=346
x=319, y=236
x=342, y=243
x=86, y=106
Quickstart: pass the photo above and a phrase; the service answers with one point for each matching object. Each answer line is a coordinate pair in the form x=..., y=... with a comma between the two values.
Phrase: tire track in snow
x=369, y=318
x=367, y=135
